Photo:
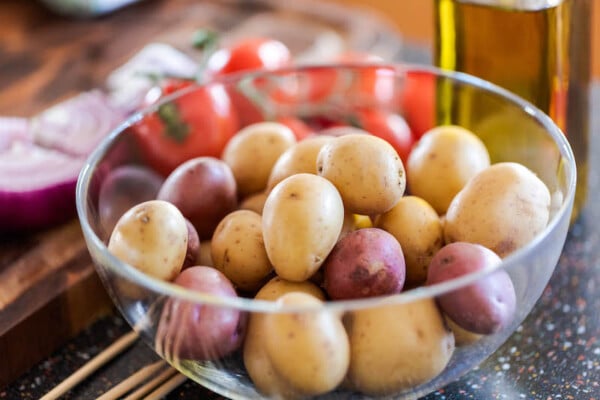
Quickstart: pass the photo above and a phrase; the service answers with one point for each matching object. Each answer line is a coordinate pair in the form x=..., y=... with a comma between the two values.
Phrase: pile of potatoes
x=331, y=218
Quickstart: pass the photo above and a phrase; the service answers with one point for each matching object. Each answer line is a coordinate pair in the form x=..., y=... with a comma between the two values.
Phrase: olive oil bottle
x=538, y=49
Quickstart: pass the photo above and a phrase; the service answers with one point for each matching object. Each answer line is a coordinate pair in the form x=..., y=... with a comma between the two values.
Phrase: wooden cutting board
x=49, y=290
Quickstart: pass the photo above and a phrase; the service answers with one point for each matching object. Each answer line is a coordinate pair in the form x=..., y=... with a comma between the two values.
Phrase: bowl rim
x=253, y=305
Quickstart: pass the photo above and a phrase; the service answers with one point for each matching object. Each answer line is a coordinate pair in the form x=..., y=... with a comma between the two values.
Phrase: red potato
x=204, y=190
x=189, y=330
x=484, y=307
x=364, y=263
x=192, y=254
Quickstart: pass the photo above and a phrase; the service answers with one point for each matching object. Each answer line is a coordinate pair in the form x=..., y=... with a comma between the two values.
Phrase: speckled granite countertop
x=554, y=354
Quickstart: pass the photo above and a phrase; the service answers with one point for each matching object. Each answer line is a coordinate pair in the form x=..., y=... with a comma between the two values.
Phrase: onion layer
x=40, y=159
x=37, y=187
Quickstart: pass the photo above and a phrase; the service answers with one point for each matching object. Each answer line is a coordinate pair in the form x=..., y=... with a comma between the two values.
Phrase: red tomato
x=245, y=55
x=418, y=102
x=246, y=110
x=373, y=85
x=376, y=84
x=198, y=123
x=300, y=128
x=388, y=126
x=249, y=54
x=369, y=86
x=166, y=87
x=352, y=56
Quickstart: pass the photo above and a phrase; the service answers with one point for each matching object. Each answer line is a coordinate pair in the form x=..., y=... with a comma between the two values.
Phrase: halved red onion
x=77, y=125
x=14, y=129
x=40, y=157
x=37, y=187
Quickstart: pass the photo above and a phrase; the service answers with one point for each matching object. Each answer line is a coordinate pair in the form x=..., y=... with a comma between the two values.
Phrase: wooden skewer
x=134, y=380
x=166, y=387
x=148, y=386
x=87, y=369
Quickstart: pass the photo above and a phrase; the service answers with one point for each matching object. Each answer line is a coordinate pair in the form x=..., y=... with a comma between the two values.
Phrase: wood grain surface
x=49, y=290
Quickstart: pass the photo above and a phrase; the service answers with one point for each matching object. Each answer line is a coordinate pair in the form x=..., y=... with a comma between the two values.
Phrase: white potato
x=442, y=162
x=257, y=363
x=301, y=157
x=397, y=347
x=302, y=220
x=254, y=202
x=502, y=208
x=277, y=287
x=366, y=170
x=151, y=236
x=253, y=151
x=308, y=349
x=238, y=251
x=418, y=229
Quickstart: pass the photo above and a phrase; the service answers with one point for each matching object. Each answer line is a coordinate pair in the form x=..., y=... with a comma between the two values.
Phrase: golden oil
x=539, y=50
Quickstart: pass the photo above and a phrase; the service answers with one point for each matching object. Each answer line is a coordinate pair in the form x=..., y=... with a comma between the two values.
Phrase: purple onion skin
x=31, y=211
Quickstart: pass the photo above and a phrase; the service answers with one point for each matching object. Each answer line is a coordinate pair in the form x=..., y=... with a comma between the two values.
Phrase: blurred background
x=412, y=18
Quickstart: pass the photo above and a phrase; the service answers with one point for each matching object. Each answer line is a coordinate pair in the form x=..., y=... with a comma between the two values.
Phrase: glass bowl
x=162, y=312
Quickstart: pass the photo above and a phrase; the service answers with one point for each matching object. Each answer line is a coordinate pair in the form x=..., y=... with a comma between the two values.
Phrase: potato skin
x=254, y=202
x=366, y=170
x=484, y=307
x=396, y=347
x=199, y=331
x=302, y=220
x=204, y=258
x=238, y=250
x=253, y=151
x=257, y=363
x=418, y=228
x=462, y=337
x=192, y=254
x=367, y=262
x=153, y=237
x=300, y=157
x=442, y=162
x=204, y=190
x=309, y=350
x=277, y=287
x=502, y=208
